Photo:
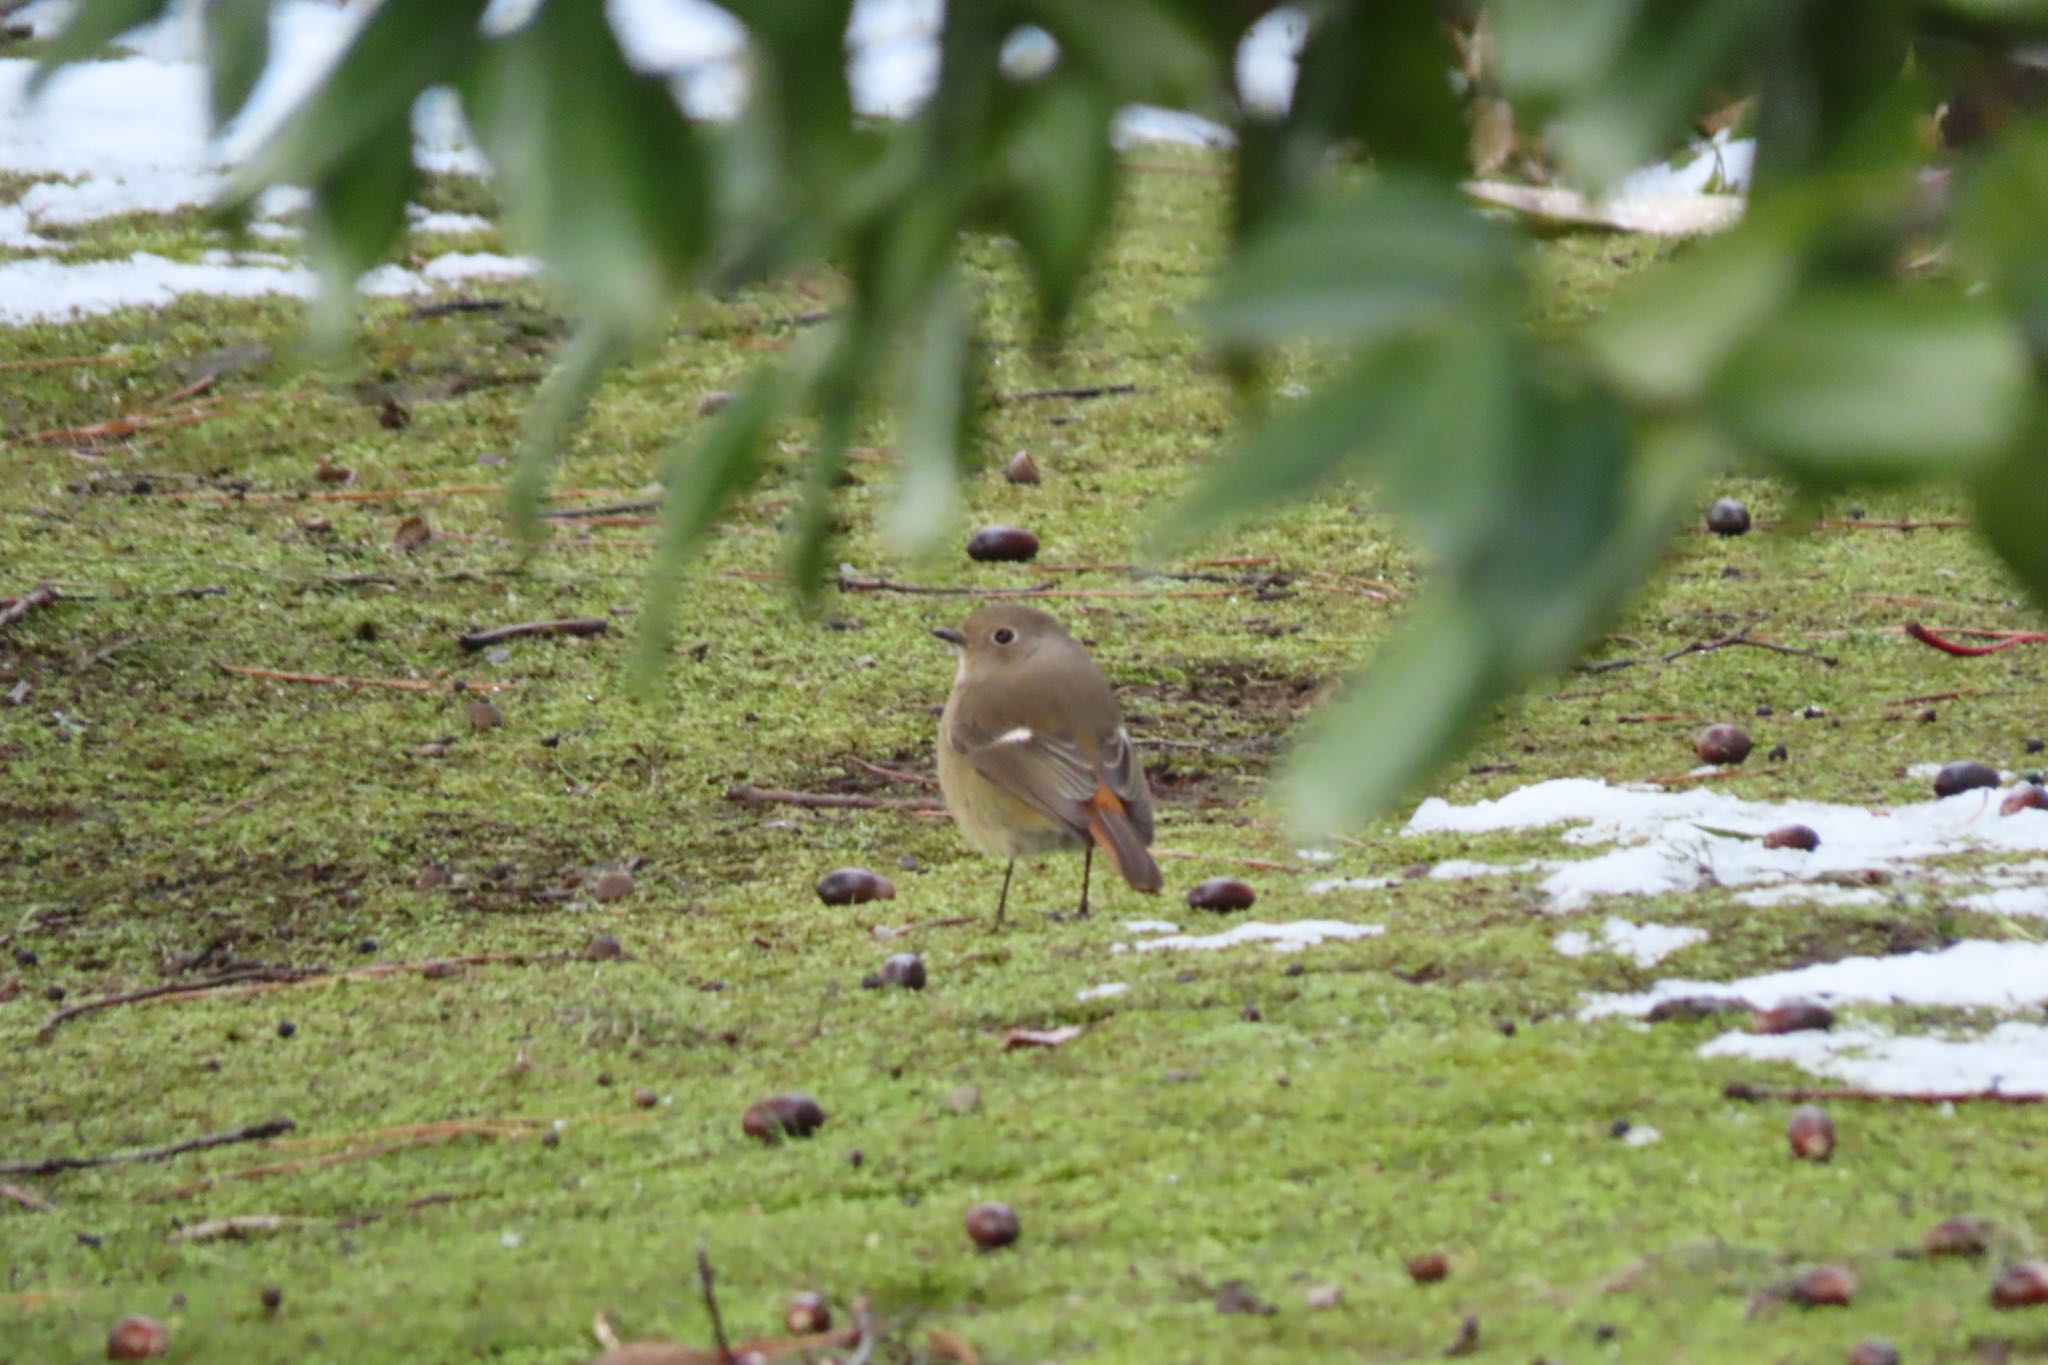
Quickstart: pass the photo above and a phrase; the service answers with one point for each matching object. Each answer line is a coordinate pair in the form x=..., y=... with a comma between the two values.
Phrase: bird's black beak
x=949, y=635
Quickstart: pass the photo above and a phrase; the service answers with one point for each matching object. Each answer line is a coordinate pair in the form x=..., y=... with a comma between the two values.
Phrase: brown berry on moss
x=993, y=1225
x=905, y=970
x=807, y=1314
x=1021, y=468
x=854, y=886
x=1723, y=745
x=1002, y=544
x=1958, y=1236
x=137, y=1338
x=1964, y=776
x=1801, y=837
x=793, y=1115
x=1793, y=1016
x=1429, y=1267
x=2025, y=797
x=1727, y=517
x=1810, y=1133
x=1222, y=894
x=2023, y=1285
x=1824, y=1286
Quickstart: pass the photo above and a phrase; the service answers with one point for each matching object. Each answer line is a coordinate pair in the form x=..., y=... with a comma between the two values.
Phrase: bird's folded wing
x=1051, y=775
x=1126, y=777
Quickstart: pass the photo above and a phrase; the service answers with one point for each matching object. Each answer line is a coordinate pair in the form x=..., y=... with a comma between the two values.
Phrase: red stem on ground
x=2017, y=637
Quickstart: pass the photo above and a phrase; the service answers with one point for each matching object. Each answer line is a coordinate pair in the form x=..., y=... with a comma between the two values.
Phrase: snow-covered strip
x=1644, y=944
x=1671, y=841
x=1973, y=973
x=1101, y=992
x=449, y=224
x=1151, y=926
x=2011, y=1057
x=1325, y=885
x=1281, y=938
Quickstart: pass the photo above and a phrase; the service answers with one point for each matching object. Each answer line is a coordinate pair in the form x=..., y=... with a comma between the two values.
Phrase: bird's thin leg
x=1003, y=901
x=1087, y=865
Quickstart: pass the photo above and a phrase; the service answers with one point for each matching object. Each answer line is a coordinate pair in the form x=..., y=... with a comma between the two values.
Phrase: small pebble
x=1250, y=1014
x=1325, y=1296
x=603, y=948
x=1873, y=1351
x=1021, y=468
x=1777, y=753
x=25, y=957
x=286, y=1028
x=53, y=993
x=484, y=714
x=963, y=1100
x=713, y=403
x=271, y=1298
x=613, y=885
x=644, y=1098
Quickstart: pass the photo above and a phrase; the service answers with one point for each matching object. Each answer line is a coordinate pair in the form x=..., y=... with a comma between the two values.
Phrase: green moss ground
x=1428, y=1089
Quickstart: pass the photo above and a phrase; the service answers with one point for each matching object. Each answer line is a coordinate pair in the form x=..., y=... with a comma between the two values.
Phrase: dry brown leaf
x=413, y=532
x=1040, y=1037
x=952, y=1346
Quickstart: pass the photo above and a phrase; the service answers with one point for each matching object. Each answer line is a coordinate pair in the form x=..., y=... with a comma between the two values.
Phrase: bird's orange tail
x=1112, y=830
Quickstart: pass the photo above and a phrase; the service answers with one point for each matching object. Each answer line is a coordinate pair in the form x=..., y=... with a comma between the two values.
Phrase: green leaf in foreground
x=1876, y=384
x=237, y=46
x=91, y=26
x=936, y=410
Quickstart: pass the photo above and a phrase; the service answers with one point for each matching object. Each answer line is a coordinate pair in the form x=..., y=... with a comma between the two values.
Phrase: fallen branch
x=18, y=607
x=1258, y=864
x=60, y=361
x=28, y=1199
x=1859, y=524
x=603, y=510
x=749, y=795
x=125, y=426
x=254, y=1132
x=2014, y=637
x=1801, y=1094
x=894, y=775
x=582, y=625
x=711, y=1305
x=394, y=684
x=259, y=980
x=1074, y=391
x=444, y=308
x=1740, y=637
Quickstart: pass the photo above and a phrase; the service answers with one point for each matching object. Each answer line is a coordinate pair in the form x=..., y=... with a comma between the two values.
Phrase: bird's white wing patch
x=1021, y=735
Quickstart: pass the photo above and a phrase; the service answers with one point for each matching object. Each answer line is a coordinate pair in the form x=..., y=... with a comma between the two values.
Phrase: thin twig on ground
x=28, y=1199
x=254, y=1132
x=1740, y=637
x=446, y=307
x=711, y=1305
x=749, y=795
x=581, y=625
x=1802, y=1094
x=455, y=685
x=608, y=509
x=17, y=607
x=894, y=774
x=1946, y=646
x=126, y=426
x=1860, y=524
x=237, y=977
x=847, y=583
x=8, y=7
x=1067, y=391
x=1257, y=864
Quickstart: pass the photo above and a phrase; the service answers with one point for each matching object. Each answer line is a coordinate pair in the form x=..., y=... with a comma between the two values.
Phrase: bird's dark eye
x=1005, y=635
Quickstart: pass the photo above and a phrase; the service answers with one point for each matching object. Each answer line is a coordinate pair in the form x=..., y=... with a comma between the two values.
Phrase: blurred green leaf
x=936, y=409
x=1834, y=90
x=598, y=167
x=2011, y=495
x=1062, y=174
x=1665, y=337
x=400, y=51
x=594, y=349
x=701, y=484
x=237, y=47
x=1855, y=385
x=2001, y=213
x=1401, y=252
x=358, y=210
x=1144, y=51
x=1398, y=97
x=834, y=394
x=1549, y=48
x=91, y=26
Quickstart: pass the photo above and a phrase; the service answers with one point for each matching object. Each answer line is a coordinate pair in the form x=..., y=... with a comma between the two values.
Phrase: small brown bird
x=1032, y=750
